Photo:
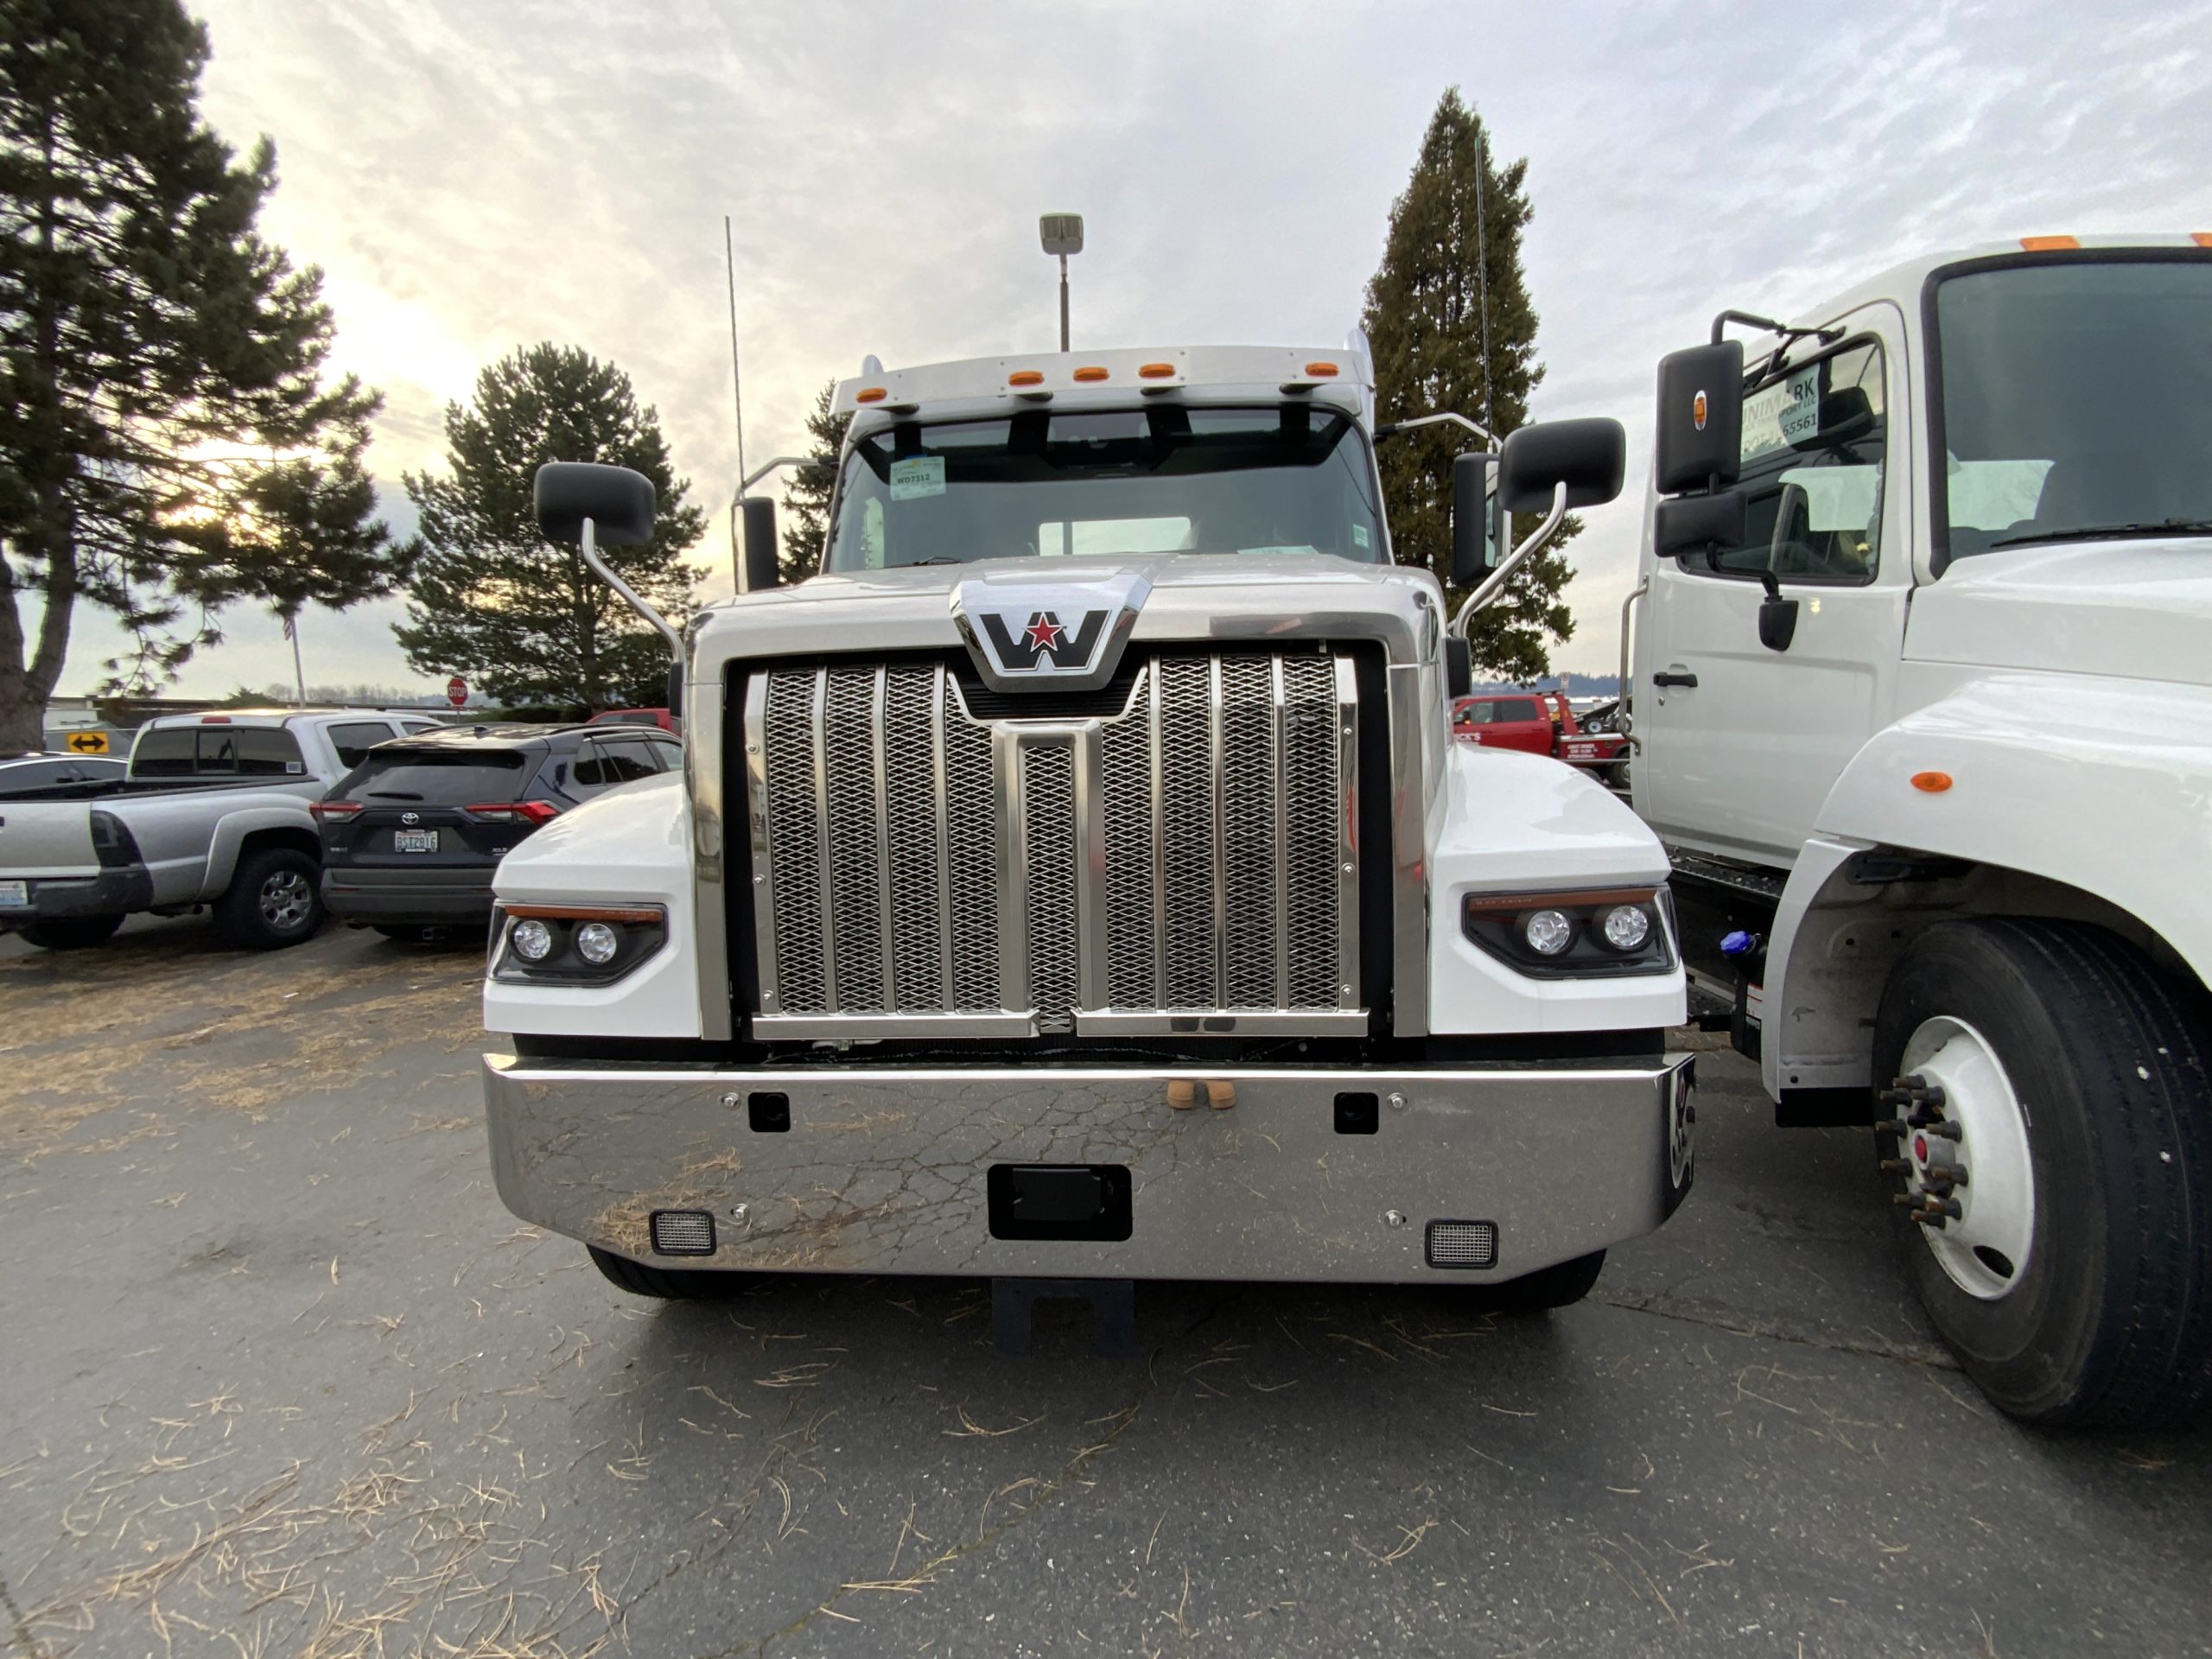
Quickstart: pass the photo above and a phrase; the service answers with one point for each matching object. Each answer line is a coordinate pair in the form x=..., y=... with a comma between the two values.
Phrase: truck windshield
x=2078, y=402
x=1165, y=479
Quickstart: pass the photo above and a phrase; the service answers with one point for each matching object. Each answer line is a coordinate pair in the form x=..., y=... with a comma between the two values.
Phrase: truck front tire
x=73, y=932
x=275, y=899
x=666, y=1284
x=2070, y=1082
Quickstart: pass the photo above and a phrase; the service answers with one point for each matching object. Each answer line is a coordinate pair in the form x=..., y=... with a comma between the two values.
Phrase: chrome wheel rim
x=286, y=900
x=1986, y=1249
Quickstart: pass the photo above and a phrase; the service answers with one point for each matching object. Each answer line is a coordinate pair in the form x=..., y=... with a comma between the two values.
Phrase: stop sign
x=456, y=691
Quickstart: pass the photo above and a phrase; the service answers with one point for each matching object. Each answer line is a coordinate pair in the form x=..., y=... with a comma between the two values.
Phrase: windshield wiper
x=2099, y=532
x=940, y=558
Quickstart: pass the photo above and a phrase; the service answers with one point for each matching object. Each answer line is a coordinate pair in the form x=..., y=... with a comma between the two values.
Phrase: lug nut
x=1893, y=1165
x=1941, y=1206
x=1929, y=1218
x=1949, y=1174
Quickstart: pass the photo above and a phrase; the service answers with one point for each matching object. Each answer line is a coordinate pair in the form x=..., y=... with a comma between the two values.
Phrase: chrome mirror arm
x=1493, y=583
x=1390, y=429
x=588, y=542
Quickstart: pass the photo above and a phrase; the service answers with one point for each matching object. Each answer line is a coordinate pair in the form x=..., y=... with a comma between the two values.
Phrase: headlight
x=575, y=945
x=1572, y=935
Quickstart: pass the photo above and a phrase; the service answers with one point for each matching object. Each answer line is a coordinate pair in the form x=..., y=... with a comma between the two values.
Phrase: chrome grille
x=1184, y=865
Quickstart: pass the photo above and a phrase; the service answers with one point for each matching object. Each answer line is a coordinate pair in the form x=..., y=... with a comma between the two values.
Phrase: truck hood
x=2137, y=610
x=1203, y=596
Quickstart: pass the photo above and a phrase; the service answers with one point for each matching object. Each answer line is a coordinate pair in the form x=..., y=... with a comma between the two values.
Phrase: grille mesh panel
x=794, y=842
x=855, y=876
x=1220, y=809
x=971, y=856
x=910, y=812
x=1048, y=799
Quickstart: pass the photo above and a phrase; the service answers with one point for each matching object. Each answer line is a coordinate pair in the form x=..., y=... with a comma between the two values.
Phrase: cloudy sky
x=475, y=176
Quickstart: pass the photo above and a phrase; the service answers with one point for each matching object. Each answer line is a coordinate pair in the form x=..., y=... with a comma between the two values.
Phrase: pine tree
x=523, y=618
x=806, y=497
x=169, y=442
x=1462, y=216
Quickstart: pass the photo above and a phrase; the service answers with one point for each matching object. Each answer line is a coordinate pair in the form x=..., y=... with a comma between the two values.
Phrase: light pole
x=1062, y=233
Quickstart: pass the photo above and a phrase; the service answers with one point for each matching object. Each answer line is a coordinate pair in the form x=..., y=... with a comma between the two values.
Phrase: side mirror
x=675, y=701
x=1589, y=456
x=1476, y=527
x=1458, y=667
x=618, y=502
x=1694, y=523
x=761, y=570
x=1699, y=442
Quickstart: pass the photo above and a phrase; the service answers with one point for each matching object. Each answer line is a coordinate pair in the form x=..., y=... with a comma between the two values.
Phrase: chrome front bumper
x=884, y=1170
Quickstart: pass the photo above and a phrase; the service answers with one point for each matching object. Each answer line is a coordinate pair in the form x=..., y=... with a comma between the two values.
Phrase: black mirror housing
x=1458, y=667
x=1699, y=441
x=1475, y=517
x=760, y=571
x=1589, y=456
x=618, y=502
x=1692, y=524
x=675, y=700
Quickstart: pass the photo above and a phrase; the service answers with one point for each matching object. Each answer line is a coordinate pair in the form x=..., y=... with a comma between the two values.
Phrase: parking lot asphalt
x=279, y=1376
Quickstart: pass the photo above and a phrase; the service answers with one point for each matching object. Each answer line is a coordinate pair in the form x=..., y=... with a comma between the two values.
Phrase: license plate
x=413, y=841
x=15, y=895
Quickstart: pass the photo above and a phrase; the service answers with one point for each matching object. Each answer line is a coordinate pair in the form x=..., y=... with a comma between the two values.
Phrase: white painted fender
x=630, y=846
x=2097, y=785
x=1525, y=823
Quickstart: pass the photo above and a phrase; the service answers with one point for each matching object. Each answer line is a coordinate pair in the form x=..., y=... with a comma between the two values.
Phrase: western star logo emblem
x=1067, y=633
x=1045, y=646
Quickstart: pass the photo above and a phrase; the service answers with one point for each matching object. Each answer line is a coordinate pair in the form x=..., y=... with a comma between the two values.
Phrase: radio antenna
x=1482, y=269
x=736, y=391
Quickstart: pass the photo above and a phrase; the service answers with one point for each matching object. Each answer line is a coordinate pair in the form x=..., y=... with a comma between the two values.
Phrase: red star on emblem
x=1042, y=634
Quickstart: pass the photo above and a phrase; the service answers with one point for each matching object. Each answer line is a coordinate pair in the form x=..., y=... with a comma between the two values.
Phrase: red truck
x=1536, y=722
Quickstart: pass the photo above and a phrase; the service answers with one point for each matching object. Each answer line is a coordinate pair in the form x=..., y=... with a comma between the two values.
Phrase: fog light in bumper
x=683, y=1232
x=1462, y=1244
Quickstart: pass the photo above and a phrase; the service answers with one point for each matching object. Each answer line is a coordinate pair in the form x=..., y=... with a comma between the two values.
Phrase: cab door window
x=1815, y=445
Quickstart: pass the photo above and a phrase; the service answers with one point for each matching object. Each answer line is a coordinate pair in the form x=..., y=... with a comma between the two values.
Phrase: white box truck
x=1923, y=707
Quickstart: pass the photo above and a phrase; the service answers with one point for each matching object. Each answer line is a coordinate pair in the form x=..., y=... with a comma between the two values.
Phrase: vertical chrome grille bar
x=887, y=925
x=825, y=894
x=1159, y=999
x=1278, y=772
x=1215, y=775
x=946, y=995
x=763, y=864
x=1013, y=852
x=1347, y=846
x=1093, y=927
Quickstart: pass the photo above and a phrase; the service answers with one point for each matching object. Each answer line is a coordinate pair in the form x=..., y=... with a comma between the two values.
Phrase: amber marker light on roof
x=1092, y=374
x=1931, y=783
x=871, y=395
x=2048, y=243
x=2202, y=238
x=1322, y=370
x=1156, y=371
x=1025, y=377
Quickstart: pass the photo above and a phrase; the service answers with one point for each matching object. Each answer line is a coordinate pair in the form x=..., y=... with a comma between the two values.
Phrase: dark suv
x=411, y=836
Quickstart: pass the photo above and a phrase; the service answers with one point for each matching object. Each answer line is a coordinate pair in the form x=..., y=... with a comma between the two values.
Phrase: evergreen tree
x=168, y=443
x=806, y=497
x=524, y=619
x=1462, y=216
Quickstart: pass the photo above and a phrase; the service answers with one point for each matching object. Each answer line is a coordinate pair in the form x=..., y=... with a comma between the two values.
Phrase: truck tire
x=275, y=899
x=2073, y=1277
x=667, y=1284
x=1561, y=1285
x=73, y=932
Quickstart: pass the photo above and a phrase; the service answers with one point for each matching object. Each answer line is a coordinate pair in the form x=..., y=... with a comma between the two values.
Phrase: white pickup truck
x=1077, y=882
x=1923, y=671
x=213, y=813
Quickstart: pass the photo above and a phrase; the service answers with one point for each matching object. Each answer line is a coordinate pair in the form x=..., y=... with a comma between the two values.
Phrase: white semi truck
x=1077, y=881
x=1922, y=703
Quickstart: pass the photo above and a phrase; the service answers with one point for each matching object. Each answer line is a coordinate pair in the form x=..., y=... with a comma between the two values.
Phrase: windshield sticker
x=915, y=478
x=1360, y=535
x=1783, y=413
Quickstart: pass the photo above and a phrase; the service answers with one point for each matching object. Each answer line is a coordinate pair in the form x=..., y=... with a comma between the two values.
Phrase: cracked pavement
x=281, y=1377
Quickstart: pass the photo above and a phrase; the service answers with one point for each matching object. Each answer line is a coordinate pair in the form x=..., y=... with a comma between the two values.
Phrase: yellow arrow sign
x=88, y=742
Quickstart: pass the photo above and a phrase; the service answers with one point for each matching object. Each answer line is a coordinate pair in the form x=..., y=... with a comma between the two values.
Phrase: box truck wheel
x=669, y=1284
x=2048, y=1125
x=73, y=932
